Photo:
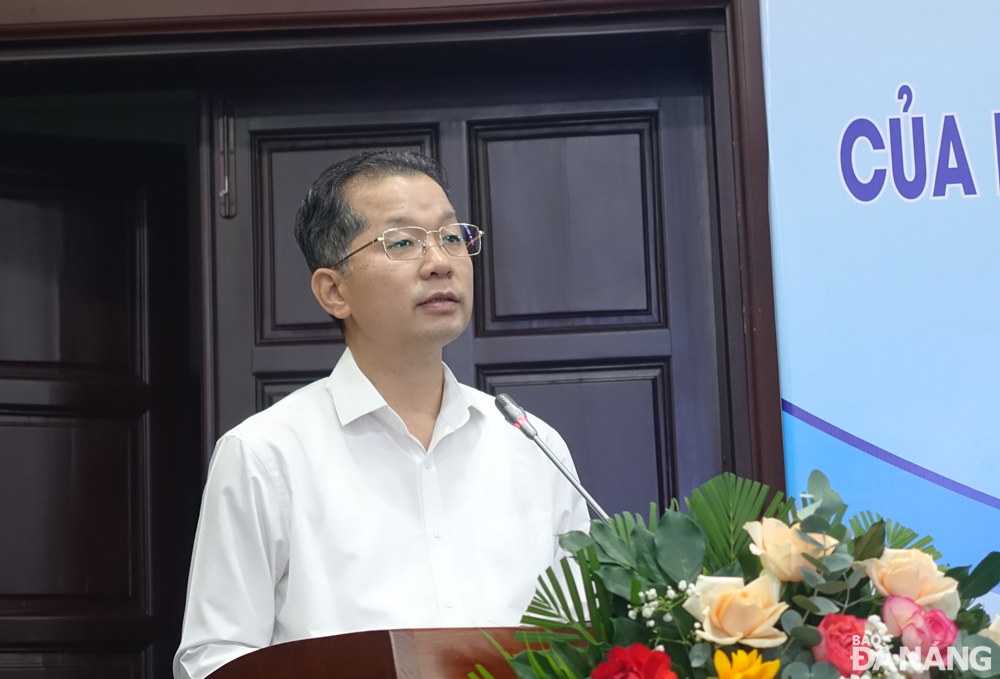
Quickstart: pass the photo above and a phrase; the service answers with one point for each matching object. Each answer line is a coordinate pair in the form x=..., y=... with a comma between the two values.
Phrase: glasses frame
x=423, y=243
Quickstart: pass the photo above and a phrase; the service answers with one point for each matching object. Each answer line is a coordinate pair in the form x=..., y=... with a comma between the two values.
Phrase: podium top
x=382, y=654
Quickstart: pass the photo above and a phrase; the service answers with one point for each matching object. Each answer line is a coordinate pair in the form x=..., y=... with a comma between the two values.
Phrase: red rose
x=839, y=632
x=634, y=662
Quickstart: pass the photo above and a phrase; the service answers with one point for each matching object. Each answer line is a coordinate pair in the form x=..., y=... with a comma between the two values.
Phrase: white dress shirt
x=322, y=515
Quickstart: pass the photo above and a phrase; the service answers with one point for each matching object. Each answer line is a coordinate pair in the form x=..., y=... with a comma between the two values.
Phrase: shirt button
x=437, y=533
x=449, y=604
x=427, y=465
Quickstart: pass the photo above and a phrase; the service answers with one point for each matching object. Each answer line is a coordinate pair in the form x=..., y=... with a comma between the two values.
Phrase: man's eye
x=452, y=239
x=401, y=244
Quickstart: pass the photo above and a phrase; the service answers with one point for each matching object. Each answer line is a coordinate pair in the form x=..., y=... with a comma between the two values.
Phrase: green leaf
x=790, y=620
x=818, y=563
x=833, y=587
x=699, y=654
x=644, y=546
x=795, y=670
x=614, y=547
x=618, y=580
x=628, y=632
x=839, y=561
x=807, y=635
x=581, y=616
x=574, y=541
x=855, y=577
x=824, y=605
x=575, y=661
x=721, y=507
x=733, y=570
x=805, y=604
x=680, y=546
x=825, y=670
x=871, y=544
x=811, y=577
x=483, y=672
x=983, y=577
x=815, y=524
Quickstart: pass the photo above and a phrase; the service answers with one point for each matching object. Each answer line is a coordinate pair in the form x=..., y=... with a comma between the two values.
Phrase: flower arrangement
x=731, y=589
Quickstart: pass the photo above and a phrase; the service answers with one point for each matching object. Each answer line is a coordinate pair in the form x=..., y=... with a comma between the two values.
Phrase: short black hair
x=326, y=224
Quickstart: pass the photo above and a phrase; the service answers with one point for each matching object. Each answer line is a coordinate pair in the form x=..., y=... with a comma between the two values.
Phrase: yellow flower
x=745, y=666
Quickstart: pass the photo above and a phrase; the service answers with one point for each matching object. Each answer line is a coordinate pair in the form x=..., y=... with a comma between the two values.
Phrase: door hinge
x=225, y=155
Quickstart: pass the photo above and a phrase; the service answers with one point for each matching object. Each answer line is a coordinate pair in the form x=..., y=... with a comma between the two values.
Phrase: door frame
x=163, y=29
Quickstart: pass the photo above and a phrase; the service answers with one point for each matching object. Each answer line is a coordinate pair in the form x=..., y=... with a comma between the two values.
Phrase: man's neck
x=411, y=382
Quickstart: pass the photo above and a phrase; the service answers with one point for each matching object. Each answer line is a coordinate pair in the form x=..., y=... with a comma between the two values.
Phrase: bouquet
x=732, y=589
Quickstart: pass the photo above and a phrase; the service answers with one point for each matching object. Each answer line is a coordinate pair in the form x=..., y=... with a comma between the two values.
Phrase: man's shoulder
x=486, y=404
x=295, y=412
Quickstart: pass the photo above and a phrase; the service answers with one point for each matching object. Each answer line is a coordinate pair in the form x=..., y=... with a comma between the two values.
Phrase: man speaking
x=386, y=495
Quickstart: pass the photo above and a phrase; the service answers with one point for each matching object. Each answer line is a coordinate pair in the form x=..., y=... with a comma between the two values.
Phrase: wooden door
x=98, y=469
x=590, y=165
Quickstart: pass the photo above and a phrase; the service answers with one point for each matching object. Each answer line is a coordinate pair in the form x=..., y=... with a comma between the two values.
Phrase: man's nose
x=436, y=261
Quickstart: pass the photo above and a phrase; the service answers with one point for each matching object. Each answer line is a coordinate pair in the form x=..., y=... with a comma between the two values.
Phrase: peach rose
x=781, y=549
x=732, y=612
x=913, y=574
x=993, y=631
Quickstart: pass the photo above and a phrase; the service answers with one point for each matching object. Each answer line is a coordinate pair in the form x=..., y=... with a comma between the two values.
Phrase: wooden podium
x=392, y=654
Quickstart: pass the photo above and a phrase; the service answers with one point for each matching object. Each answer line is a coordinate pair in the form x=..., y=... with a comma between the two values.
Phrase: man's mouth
x=440, y=300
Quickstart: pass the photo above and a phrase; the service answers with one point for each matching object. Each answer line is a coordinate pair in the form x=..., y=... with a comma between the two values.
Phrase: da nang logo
x=898, y=156
x=870, y=654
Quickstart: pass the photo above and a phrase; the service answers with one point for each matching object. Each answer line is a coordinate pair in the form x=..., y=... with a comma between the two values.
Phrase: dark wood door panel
x=96, y=492
x=615, y=420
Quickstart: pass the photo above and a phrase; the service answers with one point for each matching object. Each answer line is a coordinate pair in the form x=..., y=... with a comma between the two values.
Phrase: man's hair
x=326, y=224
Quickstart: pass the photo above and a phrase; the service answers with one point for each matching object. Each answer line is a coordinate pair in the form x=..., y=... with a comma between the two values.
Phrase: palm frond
x=720, y=507
x=897, y=536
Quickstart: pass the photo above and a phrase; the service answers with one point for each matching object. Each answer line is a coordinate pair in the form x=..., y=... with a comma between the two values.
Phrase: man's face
x=423, y=303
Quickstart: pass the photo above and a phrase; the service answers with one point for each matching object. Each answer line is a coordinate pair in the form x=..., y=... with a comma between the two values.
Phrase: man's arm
x=240, y=554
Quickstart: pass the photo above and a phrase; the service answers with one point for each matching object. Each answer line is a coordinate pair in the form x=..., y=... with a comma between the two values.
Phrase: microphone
x=514, y=414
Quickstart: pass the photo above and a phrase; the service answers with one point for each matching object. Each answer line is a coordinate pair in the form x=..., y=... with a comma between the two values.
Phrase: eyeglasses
x=410, y=242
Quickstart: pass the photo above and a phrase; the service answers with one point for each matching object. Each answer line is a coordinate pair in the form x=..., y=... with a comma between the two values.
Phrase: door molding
x=113, y=32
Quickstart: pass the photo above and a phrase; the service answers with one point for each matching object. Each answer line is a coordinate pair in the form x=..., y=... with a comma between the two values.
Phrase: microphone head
x=511, y=411
x=515, y=414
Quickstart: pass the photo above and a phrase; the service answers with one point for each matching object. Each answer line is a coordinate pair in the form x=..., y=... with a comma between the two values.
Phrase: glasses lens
x=404, y=243
x=461, y=240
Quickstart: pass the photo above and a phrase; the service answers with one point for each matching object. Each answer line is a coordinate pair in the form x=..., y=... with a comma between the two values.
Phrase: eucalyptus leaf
x=614, y=547
x=808, y=538
x=815, y=524
x=825, y=670
x=824, y=605
x=699, y=654
x=807, y=635
x=832, y=587
x=983, y=577
x=839, y=561
x=790, y=620
x=806, y=604
x=855, y=577
x=680, y=546
x=795, y=670
x=811, y=577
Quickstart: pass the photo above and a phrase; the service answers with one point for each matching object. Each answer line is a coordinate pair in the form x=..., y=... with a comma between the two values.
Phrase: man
x=386, y=495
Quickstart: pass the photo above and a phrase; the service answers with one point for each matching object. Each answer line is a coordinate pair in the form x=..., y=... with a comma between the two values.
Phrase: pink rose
x=838, y=633
x=918, y=629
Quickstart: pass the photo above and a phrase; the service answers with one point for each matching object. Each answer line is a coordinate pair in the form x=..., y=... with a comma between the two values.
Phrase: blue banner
x=884, y=139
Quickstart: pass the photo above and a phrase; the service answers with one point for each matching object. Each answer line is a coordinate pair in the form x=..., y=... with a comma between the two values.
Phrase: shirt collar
x=354, y=395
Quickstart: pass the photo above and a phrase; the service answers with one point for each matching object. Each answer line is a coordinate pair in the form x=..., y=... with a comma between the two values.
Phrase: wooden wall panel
x=72, y=483
x=613, y=418
x=71, y=665
x=573, y=202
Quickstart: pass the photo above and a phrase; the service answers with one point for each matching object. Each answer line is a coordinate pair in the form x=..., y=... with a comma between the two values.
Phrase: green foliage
x=897, y=536
x=982, y=579
x=721, y=506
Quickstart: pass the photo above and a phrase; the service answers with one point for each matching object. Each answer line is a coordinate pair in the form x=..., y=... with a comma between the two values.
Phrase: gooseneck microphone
x=514, y=414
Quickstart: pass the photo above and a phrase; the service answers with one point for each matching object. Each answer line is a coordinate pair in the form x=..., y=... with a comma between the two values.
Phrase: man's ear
x=326, y=287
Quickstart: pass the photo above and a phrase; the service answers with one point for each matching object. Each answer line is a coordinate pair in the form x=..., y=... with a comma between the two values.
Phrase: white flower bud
x=642, y=596
x=658, y=647
x=682, y=584
x=647, y=612
x=668, y=618
x=651, y=623
x=697, y=625
x=632, y=613
x=671, y=594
